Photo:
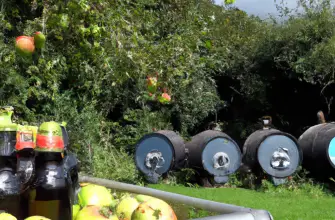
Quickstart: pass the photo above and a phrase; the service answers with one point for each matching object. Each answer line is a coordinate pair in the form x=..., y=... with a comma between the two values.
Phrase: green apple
x=37, y=217
x=39, y=39
x=7, y=216
x=75, y=210
x=95, y=195
x=126, y=207
x=143, y=198
x=144, y=212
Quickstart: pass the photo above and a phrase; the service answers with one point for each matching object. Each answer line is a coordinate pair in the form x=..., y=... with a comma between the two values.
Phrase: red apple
x=164, y=98
x=25, y=45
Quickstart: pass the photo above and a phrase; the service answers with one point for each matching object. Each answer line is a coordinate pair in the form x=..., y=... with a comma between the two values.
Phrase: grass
x=308, y=203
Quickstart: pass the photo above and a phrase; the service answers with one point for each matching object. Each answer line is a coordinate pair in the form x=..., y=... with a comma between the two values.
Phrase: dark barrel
x=215, y=152
x=318, y=146
x=158, y=153
x=275, y=152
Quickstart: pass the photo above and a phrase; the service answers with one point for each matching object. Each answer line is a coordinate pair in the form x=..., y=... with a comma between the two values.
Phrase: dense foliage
x=210, y=59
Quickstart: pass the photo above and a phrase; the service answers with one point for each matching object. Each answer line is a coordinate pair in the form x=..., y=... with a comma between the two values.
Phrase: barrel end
x=159, y=152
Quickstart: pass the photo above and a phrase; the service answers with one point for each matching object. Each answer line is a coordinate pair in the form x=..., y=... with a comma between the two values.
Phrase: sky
x=259, y=7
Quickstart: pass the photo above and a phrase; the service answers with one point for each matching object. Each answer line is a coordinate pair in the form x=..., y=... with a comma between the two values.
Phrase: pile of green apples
x=97, y=203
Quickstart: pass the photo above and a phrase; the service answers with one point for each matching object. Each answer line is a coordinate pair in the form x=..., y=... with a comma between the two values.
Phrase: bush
x=92, y=72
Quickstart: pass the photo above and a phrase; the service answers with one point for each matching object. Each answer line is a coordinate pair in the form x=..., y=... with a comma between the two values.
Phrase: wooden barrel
x=214, y=152
x=158, y=153
x=318, y=146
x=275, y=152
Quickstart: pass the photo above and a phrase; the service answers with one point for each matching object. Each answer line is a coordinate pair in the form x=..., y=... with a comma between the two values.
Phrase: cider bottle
x=9, y=182
x=52, y=191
